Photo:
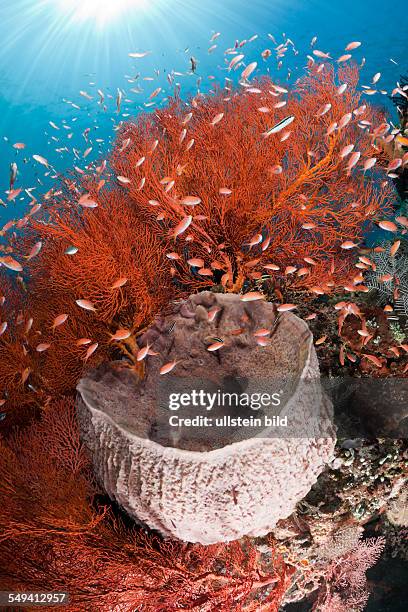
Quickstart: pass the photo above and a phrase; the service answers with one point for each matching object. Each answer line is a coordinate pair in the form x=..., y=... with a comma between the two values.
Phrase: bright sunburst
x=101, y=11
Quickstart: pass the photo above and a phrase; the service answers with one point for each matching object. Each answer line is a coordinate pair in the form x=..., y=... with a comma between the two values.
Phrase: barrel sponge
x=212, y=483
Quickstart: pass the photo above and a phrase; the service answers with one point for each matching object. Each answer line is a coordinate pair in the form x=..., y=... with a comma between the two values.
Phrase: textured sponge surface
x=210, y=484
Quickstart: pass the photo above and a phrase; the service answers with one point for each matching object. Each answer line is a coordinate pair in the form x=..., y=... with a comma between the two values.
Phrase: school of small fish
x=239, y=63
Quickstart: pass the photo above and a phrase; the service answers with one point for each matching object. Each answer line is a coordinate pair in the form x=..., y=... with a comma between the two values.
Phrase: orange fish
x=41, y=160
x=182, y=226
x=317, y=290
x=191, y=200
x=252, y=296
x=271, y=266
x=352, y=45
x=344, y=58
x=85, y=304
x=402, y=140
x=346, y=150
x=35, y=250
x=217, y=118
x=394, y=248
x=59, y=320
x=13, y=194
x=142, y=353
x=11, y=263
x=196, y=262
x=119, y=283
x=310, y=261
x=260, y=333
x=303, y=272
x=87, y=201
x=212, y=313
x=348, y=244
x=353, y=160
x=44, y=346
x=155, y=93
x=255, y=240
x=91, y=351
x=235, y=60
x=25, y=374
x=215, y=346
x=168, y=367
x=323, y=110
x=321, y=54
x=205, y=272
x=374, y=360
x=369, y=163
x=286, y=307
x=344, y=120
x=83, y=341
x=246, y=73
x=121, y=334
x=389, y=226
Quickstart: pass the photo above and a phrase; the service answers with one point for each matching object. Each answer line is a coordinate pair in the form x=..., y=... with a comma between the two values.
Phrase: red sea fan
x=113, y=245
x=258, y=200
x=194, y=195
x=48, y=507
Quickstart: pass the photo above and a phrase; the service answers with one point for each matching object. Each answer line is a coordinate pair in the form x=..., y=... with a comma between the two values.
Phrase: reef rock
x=245, y=467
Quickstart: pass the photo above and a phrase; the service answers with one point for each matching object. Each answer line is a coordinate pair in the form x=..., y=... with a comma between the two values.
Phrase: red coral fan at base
x=54, y=537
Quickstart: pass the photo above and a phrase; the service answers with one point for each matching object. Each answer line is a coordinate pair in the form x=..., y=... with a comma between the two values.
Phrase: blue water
x=47, y=58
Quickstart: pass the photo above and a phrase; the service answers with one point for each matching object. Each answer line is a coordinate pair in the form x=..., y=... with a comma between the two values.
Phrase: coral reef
x=285, y=197
x=184, y=205
x=362, y=485
x=49, y=507
x=389, y=277
x=204, y=195
x=345, y=584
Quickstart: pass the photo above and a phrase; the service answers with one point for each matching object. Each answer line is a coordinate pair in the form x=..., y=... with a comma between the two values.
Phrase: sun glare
x=100, y=11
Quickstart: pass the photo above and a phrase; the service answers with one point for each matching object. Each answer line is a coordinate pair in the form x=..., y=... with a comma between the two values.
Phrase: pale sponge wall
x=198, y=486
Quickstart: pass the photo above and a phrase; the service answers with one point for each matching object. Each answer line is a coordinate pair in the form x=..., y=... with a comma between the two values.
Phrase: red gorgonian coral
x=55, y=537
x=194, y=195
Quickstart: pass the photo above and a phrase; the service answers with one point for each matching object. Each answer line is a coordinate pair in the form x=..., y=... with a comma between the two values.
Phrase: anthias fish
x=279, y=126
